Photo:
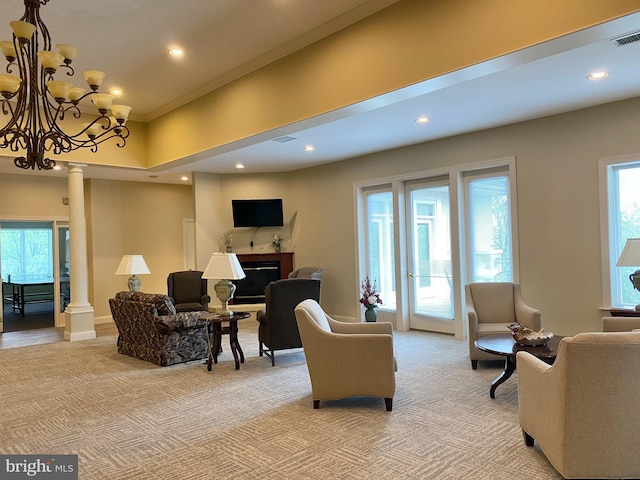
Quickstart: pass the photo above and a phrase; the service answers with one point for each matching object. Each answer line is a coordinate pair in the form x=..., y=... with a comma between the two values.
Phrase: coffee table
x=215, y=330
x=504, y=345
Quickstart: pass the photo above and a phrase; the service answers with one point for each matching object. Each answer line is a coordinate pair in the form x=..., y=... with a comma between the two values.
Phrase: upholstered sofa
x=150, y=329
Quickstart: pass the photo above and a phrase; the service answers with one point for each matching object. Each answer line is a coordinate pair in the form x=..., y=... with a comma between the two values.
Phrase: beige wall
x=558, y=201
x=559, y=227
x=32, y=196
x=135, y=218
x=122, y=218
x=558, y=206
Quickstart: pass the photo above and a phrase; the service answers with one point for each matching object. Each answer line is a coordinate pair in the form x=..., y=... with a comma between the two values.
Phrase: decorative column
x=79, y=315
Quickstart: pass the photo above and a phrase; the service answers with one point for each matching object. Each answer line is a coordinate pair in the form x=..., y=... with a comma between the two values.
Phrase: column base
x=79, y=323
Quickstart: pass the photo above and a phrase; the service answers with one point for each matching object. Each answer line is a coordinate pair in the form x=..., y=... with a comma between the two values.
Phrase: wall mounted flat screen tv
x=257, y=213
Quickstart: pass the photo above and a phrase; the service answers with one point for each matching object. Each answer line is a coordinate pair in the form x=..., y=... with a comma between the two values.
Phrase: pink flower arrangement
x=370, y=298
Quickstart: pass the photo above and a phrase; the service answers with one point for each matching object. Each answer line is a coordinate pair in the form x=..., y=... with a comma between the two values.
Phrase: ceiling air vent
x=284, y=139
x=627, y=39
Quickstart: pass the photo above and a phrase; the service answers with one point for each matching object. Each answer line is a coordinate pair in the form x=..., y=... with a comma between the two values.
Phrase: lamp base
x=224, y=291
x=134, y=284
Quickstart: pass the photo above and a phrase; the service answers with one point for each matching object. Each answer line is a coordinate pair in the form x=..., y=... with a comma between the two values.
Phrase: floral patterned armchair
x=150, y=329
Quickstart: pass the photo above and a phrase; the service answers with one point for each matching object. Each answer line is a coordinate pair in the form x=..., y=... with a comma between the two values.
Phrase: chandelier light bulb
x=9, y=83
x=94, y=78
x=102, y=101
x=50, y=60
x=8, y=50
x=69, y=52
x=59, y=90
x=23, y=30
x=121, y=112
x=75, y=93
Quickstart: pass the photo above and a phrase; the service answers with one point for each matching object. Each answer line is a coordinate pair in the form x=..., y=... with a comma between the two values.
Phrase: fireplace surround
x=260, y=269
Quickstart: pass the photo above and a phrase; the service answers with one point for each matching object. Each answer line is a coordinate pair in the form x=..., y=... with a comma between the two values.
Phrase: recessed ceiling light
x=116, y=91
x=422, y=119
x=239, y=166
x=184, y=178
x=176, y=52
x=309, y=148
x=599, y=75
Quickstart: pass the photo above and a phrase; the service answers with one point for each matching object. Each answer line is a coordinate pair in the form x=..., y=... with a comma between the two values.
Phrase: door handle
x=411, y=275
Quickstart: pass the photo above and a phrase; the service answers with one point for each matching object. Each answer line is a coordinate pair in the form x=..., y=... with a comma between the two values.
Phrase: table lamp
x=630, y=257
x=133, y=265
x=226, y=267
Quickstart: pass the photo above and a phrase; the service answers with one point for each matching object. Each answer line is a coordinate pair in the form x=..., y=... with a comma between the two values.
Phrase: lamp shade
x=630, y=256
x=223, y=266
x=132, y=265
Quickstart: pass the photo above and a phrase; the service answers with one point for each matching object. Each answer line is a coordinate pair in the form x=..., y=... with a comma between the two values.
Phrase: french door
x=428, y=236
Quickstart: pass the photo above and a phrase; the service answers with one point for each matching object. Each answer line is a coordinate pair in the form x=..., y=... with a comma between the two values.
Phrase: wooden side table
x=215, y=330
x=505, y=346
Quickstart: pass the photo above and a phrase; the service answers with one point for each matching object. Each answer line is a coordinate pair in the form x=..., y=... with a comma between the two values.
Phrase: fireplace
x=260, y=270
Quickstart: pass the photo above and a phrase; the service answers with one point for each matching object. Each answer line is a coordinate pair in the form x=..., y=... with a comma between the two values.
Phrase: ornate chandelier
x=36, y=104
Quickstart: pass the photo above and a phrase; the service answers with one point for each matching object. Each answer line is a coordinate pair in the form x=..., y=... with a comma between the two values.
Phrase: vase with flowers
x=228, y=243
x=370, y=299
x=277, y=242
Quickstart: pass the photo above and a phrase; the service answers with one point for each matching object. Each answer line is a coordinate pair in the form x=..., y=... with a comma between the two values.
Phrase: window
x=489, y=220
x=424, y=235
x=379, y=241
x=26, y=250
x=624, y=222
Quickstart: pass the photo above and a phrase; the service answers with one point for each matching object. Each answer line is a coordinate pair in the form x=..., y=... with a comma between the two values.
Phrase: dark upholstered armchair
x=188, y=291
x=307, y=272
x=278, y=329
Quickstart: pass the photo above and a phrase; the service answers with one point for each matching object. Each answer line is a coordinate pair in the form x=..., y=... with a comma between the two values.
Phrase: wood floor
x=46, y=335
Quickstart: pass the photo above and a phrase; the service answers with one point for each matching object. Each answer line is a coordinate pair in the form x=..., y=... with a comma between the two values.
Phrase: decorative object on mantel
x=133, y=265
x=278, y=240
x=370, y=299
x=36, y=103
x=228, y=243
x=226, y=267
x=525, y=336
x=630, y=257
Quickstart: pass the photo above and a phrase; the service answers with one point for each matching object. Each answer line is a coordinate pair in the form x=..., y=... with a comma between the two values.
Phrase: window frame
x=398, y=184
x=609, y=232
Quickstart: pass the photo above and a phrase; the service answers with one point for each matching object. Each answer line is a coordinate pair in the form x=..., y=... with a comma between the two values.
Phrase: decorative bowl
x=533, y=341
x=523, y=335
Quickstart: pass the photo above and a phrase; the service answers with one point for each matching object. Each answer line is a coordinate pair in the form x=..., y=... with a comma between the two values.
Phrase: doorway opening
x=34, y=270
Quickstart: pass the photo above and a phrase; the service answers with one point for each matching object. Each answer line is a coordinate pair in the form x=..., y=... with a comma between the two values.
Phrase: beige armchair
x=346, y=359
x=620, y=324
x=491, y=307
x=581, y=410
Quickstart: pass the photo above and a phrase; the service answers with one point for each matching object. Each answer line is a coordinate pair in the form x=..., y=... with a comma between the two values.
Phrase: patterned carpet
x=127, y=419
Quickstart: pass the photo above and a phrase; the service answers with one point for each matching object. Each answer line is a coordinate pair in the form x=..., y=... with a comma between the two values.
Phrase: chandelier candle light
x=34, y=103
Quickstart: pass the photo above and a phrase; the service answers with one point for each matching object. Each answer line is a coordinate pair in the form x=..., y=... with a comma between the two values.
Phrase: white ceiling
x=225, y=39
